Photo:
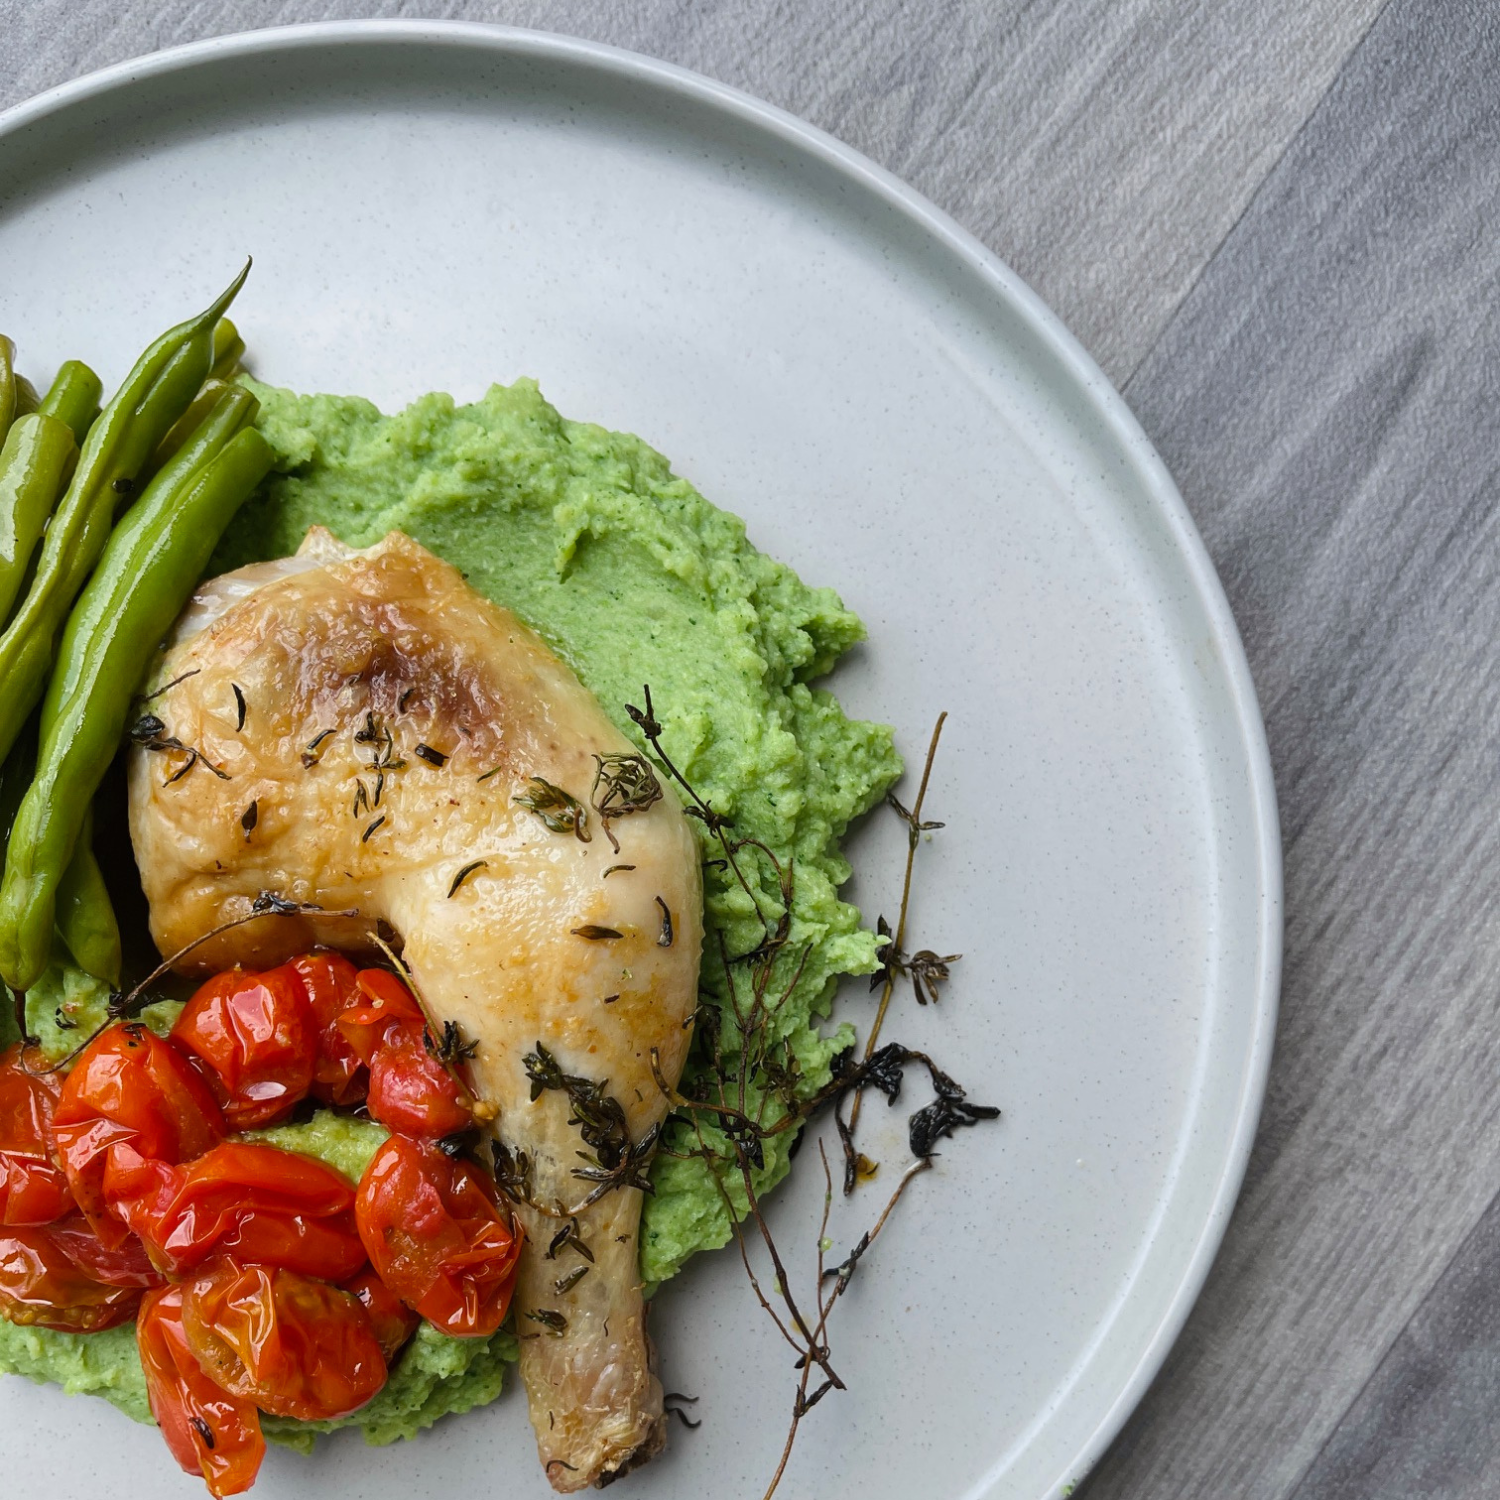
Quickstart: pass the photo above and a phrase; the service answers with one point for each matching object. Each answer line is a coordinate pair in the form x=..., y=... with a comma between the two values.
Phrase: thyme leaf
x=463, y=875
x=560, y=811
x=512, y=1171
x=450, y=1047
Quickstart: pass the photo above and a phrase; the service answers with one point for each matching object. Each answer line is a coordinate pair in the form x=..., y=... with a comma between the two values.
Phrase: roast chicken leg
x=355, y=731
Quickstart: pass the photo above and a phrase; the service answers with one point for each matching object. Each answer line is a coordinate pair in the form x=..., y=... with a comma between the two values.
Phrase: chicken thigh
x=363, y=733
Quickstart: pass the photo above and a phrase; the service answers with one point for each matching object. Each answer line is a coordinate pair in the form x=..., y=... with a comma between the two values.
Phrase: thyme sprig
x=745, y=1086
x=623, y=784
x=150, y=733
x=925, y=969
x=617, y=1161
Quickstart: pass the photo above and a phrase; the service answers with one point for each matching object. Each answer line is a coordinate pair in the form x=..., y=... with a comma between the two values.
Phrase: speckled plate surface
x=820, y=350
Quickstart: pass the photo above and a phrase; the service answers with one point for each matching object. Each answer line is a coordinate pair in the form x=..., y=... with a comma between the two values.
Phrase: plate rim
x=1075, y=363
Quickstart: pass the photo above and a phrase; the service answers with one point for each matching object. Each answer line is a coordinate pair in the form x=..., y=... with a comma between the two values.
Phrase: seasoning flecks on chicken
x=340, y=664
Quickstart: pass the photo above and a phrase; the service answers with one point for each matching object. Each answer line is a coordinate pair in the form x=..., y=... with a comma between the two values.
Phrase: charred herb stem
x=914, y=831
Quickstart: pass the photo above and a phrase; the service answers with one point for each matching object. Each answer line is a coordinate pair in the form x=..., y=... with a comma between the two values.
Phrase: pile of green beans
x=97, y=595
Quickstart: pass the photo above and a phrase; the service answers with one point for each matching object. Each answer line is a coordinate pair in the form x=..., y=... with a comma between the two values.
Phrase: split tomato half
x=42, y=1286
x=437, y=1237
x=129, y=1089
x=33, y=1189
x=294, y=1346
x=253, y=1202
x=256, y=1041
x=210, y=1432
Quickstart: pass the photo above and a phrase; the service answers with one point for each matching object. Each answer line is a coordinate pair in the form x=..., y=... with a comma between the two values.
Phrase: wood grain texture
x=1327, y=399
x=1103, y=147
x=1426, y=1423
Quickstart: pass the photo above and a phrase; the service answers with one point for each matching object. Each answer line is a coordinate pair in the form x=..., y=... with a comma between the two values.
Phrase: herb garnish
x=431, y=756
x=568, y=1238
x=364, y=838
x=565, y=1284
x=313, y=754
x=512, y=1171
x=240, y=707
x=553, y=1322
x=463, y=874
x=744, y=1085
x=167, y=687
x=250, y=817
x=451, y=1046
x=623, y=784
x=665, y=940
x=676, y=1411
x=151, y=734
x=600, y=1117
x=559, y=810
x=596, y=934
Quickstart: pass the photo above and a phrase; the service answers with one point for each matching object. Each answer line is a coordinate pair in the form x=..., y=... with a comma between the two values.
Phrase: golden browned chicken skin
x=316, y=790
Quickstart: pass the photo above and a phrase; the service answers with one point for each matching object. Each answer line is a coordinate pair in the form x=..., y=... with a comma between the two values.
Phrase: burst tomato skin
x=437, y=1237
x=33, y=1188
x=328, y=982
x=294, y=1346
x=411, y=1091
x=129, y=1089
x=125, y=1265
x=210, y=1432
x=256, y=1042
x=380, y=1002
x=253, y=1202
x=41, y=1286
x=391, y=1320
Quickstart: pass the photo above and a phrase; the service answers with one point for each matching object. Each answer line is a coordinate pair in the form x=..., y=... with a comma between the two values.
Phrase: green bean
x=35, y=461
x=156, y=392
x=146, y=575
x=15, y=777
x=26, y=397
x=229, y=350
x=7, y=385
x=73, y=397
x=91, y=617
x=188, y=422
x=85, y=918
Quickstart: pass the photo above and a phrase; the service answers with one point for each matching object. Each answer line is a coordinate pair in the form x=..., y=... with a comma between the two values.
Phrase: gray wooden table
x=1272, y=221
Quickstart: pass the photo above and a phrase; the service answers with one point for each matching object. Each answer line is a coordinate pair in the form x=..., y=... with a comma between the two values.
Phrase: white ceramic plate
x=821, y=351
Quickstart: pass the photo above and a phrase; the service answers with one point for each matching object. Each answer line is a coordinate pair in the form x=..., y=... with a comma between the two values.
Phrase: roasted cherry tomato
x=437, y=1237
x=294, y=1346
x=411, y=1091
x=41, y=1286
x=210, y=1432
x=256, y=1203
x=122, y=1265
x=328, y=982
x=380, y=1002
x=129, y=1088
x=391, y=1320
x=33, y=1189
x=256, y=1040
